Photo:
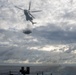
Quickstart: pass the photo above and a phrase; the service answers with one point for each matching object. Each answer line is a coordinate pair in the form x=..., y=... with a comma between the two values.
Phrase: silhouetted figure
x=23, y=71
x=27, y=70
x=37, y=74
x=42, y=73
x=10, y=73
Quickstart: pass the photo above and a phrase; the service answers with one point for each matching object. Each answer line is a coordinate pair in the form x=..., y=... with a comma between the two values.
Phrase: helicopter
x=29, y=16
x=27, y=13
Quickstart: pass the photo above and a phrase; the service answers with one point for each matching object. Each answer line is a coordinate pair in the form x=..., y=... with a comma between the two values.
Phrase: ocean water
x=39, y=70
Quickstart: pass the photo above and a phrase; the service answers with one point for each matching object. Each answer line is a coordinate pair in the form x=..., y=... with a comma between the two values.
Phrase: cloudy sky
x=53, y=38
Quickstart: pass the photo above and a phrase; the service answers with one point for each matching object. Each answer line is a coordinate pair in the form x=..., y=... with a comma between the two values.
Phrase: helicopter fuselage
x=28, y=15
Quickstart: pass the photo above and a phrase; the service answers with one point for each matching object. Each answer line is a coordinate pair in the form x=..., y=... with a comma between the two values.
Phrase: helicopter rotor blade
x=29, y=5
x=36, y=11
x=19, y=8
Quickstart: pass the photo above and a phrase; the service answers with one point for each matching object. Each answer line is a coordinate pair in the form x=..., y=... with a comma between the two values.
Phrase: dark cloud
x=56, y=34
x=21, y=53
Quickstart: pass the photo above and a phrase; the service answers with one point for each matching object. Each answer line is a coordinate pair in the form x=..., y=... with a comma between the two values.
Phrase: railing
x=38, y=73
x=18, y=73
